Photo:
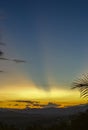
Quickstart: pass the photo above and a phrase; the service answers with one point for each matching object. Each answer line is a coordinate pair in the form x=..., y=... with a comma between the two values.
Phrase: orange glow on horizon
x=22, y=88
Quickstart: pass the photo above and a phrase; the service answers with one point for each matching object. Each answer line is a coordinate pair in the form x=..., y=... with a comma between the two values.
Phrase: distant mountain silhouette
x=71, y=118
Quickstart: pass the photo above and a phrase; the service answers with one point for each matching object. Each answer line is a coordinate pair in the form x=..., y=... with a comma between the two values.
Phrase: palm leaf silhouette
x=82, y=85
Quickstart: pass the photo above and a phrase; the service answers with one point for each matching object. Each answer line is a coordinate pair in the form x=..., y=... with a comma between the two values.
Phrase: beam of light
x=31, y=92
x=19, y=86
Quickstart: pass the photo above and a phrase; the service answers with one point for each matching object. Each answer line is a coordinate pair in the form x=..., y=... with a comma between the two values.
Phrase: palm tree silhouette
x=82, y=85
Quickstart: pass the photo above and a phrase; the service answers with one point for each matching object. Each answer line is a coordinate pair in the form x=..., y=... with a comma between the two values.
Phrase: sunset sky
x=52, y=36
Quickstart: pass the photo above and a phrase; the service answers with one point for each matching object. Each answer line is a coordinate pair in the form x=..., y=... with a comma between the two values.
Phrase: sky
x=52, y=36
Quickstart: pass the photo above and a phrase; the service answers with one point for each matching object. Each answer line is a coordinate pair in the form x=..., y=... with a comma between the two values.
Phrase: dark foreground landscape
x=71, y=118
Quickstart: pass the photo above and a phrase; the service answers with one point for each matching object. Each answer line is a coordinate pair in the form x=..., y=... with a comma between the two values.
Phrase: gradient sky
x=52, y=35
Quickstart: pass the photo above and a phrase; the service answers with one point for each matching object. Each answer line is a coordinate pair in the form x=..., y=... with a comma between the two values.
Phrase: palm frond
x=82, y=85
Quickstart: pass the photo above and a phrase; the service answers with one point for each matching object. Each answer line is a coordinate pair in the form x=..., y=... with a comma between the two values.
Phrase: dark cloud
x=16, y=105
x=2, y=58
x=1, y=71
x=7, y=59
x=1, y=53
x=26, y=101
x=19, y=61
x=36, y=104
x=51, y=105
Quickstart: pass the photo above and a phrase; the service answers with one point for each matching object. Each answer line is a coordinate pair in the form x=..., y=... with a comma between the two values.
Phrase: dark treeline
x=79, y=122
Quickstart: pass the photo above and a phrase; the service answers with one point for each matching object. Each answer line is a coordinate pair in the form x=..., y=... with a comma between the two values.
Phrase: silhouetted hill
x=45, y=119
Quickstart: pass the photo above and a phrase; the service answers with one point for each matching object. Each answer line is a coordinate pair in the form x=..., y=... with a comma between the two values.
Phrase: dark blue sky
x=51, y=34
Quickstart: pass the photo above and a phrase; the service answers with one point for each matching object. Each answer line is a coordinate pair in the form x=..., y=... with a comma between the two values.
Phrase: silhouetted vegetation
x=4, y=126
x=78, y=122
x=82, y=85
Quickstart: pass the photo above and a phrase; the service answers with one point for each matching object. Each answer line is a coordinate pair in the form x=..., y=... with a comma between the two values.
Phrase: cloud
x=3, y=58
x=51, y=105
x=35, y=104
x=26, y=101
x=16, y=105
